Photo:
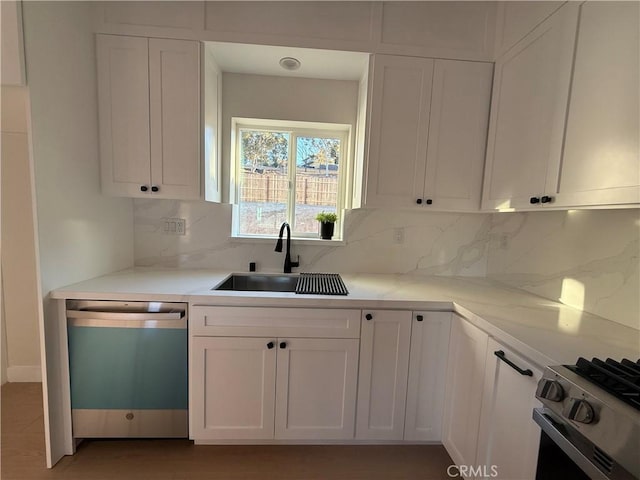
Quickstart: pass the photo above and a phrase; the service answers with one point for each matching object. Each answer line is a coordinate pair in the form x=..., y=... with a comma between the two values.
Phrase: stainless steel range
x=591, y=413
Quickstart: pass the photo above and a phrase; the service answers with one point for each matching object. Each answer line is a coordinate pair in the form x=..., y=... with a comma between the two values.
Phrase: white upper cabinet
x=516, y=19
x=149, y=111
x=400, y=104
x=529, y=105
x=174, y=92
x=601, y=163
x=212, y=121
x=427, y=133
x=123, y=97
x=457, y=137
x=461, y=30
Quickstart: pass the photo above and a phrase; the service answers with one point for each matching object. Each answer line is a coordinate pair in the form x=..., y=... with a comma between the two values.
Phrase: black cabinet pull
x=534, y=200
x=419, y=201
x=368, y=316
x=419, y=318
x=429, y=201
x=270, y=345
x=154, y=188
x=283, y=344
x=546, y=199
x=501, y=356
x=144, y=188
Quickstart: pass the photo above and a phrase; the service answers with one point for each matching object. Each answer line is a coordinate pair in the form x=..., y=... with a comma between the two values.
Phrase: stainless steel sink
x=259, y=282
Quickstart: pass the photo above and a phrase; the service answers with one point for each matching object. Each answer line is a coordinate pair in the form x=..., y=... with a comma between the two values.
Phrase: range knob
x=550, y=390
x=579, y=410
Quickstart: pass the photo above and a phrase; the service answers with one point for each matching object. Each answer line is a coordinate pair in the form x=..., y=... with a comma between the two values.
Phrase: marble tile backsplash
x=588, y=259
x=434, y=244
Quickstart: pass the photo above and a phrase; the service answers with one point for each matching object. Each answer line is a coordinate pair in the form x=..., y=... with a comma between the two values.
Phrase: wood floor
x=22, y=453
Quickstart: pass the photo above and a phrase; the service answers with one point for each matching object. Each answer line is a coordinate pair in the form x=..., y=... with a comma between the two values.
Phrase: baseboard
x=24, y=373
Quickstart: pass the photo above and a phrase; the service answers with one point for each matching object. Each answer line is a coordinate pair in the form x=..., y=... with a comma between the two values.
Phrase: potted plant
x=327, y=222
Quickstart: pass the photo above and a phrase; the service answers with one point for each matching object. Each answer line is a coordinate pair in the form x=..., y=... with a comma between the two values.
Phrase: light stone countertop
x=546, y=332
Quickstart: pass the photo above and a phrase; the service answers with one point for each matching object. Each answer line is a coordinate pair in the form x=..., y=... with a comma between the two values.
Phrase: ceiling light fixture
x=290, y=63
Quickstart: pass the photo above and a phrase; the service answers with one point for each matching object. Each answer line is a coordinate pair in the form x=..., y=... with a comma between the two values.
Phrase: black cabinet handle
x=546, y=199
x=368, y=316
x=283, y=344
x=419, y=201
x=429, y=201
x=155, y=188
x=534, y=200
x=270, y=345
x=501, y=356
x=419, y=318
x=144, y=188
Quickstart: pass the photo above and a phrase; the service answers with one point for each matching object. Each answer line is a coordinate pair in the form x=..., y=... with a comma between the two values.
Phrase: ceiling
x=264, y=60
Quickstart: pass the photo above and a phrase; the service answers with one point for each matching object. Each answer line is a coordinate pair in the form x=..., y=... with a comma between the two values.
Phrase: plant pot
x=326, y=230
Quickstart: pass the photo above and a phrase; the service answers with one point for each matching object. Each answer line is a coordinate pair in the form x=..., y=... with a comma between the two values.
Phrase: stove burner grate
x=621, y=379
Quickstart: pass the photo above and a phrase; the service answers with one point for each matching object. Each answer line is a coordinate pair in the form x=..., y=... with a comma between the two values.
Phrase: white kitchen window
x=287, y=172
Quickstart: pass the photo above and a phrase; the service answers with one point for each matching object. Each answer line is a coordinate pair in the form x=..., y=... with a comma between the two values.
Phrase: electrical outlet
x=398, y=236
x=174, y=226
x=504, y=241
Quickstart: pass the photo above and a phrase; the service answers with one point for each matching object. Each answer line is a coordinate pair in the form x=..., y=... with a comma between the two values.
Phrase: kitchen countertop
x=545, y=331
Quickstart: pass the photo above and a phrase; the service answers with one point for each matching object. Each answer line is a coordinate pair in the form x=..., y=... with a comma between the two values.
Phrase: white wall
x=589, y=259
x=20, y=302
x=81, y=233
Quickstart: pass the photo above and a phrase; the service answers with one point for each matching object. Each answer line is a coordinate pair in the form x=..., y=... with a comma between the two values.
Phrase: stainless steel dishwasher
x=128, y=368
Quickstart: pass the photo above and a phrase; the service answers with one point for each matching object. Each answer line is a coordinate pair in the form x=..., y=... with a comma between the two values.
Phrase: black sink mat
x=321, y=284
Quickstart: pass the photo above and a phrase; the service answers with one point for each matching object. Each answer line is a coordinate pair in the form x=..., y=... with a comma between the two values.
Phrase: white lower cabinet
x=316, y=388
x=237, y=395
x=509, y=438
x=427, y=376
x=384, y=364
x=232, y=388
x=464, y=389
x=403, y=362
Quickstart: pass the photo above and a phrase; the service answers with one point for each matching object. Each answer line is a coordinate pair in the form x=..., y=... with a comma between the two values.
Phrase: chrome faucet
x=287, y=257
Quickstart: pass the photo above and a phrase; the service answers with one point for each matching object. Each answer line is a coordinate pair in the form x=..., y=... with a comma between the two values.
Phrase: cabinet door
x=509, y=438
x=232, y=388
x=316, y=388
x=174, y=71
x=400, y=102
x=530, y=95
x=601, y=163
x=457, y=134
x=463, y=393
x=427, y=375
x=382, y=379
x=123, y=101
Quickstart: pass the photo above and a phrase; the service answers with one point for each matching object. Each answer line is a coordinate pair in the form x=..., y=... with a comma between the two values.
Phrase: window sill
x=318, y=242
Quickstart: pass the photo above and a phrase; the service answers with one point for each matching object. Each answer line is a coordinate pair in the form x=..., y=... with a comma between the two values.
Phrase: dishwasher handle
x=85, y=318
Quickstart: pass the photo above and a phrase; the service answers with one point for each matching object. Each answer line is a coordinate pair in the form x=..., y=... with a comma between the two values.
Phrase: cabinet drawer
x=274, y=322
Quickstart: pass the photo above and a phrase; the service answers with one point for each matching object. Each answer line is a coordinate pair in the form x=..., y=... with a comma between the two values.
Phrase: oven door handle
x=548, y=427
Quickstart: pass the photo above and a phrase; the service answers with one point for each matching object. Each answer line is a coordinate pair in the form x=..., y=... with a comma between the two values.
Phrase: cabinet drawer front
x=276, y=322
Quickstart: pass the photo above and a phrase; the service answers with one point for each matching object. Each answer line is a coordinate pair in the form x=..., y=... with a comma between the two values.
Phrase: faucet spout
x=287, y=257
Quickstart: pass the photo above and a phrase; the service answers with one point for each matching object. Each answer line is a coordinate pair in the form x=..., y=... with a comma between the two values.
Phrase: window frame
x=295, y=129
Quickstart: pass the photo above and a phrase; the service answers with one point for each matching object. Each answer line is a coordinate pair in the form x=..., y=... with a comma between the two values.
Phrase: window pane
x=264, y=181
x=317, y=169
